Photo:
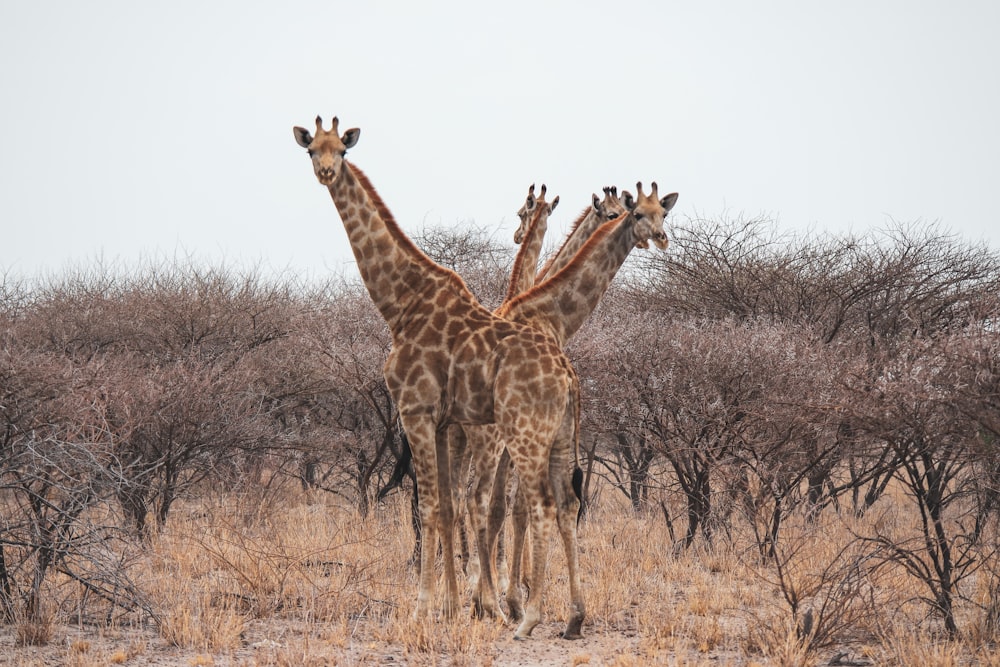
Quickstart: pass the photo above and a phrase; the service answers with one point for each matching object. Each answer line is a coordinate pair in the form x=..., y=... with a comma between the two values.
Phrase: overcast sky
x=133, y=130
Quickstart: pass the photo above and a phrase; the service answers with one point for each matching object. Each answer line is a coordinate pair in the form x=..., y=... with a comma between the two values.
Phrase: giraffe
x=559, y=306
x=452, y=361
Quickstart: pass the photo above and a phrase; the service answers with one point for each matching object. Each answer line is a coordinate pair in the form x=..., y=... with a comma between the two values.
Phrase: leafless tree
x=58, y=472
x=911, y=408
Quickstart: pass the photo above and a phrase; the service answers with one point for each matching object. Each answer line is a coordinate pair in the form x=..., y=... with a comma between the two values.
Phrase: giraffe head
x=610, y=207
x=532, y=204
x=327, y=148
x=648, y=213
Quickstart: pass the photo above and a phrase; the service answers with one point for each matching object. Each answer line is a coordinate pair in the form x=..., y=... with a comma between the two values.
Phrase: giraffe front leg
x=428, y=552
x=446, y=523
x=421, y=433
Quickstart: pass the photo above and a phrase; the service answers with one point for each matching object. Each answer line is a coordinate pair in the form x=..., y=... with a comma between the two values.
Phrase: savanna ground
x=289, y=580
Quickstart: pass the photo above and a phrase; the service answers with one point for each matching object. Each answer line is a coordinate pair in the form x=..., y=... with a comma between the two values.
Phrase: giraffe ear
x=627, y=200
x=668, y=202
x=302, y=136
x=555, y=202
x=596, y=201
x=351, y=137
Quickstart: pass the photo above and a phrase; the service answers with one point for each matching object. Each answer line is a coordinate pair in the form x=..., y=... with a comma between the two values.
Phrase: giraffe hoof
x=573, y=628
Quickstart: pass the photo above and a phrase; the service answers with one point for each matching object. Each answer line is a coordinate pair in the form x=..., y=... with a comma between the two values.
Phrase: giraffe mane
x=554, y=283
x=418, y=255
x=572, y=230
x=579, y=220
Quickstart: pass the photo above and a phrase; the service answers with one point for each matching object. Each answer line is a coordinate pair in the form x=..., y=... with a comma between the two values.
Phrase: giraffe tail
x=578, y=490
x=574, y=406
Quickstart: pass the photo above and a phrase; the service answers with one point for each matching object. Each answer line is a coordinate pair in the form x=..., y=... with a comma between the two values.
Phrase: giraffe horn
x=542, y=195
x=319, y=125
x=334, y=125
x=653, y=192
x=531, y=190
x=638, y=190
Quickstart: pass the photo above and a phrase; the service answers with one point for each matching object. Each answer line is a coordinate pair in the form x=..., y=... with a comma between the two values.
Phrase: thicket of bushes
x=740, y=377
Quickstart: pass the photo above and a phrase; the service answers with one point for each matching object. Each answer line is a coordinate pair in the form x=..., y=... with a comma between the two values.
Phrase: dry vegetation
x=790, y=452
x=287, y=580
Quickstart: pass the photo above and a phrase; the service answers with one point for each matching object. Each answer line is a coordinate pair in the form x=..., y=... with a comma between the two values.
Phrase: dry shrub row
x=746, y=390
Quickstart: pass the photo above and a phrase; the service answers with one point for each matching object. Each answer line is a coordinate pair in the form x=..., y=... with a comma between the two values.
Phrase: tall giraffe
x=559, y=306
x=452, y=361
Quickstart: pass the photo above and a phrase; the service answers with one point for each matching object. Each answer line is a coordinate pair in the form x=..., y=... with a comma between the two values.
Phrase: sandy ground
x=283, y=643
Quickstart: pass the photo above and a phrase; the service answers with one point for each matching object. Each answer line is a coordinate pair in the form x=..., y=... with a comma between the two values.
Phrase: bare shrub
x=824, y=577
x=910, y=407
x=57, y=470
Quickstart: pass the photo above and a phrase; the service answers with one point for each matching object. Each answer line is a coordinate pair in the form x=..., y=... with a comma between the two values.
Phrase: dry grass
x=295, y=582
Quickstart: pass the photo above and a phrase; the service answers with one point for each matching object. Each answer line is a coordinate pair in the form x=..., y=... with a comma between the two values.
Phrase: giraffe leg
x=486, y=452
x=428, y=544
x=447, y=523
x=498, y=516
x=460, y=456
x=519, y=529
x=563, y=472
x=420, y=431
x=567, y=480
x=542, y=516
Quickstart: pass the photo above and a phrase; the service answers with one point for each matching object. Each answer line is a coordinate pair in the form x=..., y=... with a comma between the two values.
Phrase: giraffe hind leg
x=567, y=481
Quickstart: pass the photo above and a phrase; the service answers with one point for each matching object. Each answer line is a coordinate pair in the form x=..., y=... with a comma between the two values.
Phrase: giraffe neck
x=522, y=276
x=398, y=275
x=584, y=226
x=562, y=303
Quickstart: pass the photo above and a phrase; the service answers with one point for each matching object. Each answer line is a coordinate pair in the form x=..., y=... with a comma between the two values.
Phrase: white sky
x=130, y=130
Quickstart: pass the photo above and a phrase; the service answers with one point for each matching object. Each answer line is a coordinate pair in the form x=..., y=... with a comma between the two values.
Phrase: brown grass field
x=288, y=580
